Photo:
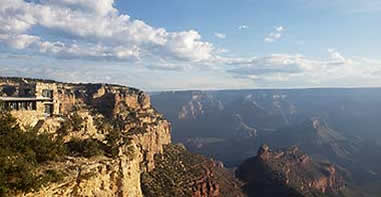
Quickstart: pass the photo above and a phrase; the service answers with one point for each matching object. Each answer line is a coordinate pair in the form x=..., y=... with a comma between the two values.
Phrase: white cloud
x=19, y=41
x=222, y=50
x=279, y=28
x=91, y=51
x=272, y=37
x=275, y=35
x=242, y=27
x=96, y=30
x=100, y=30
x=102, y=8
x=307, y=71
x=169, y=67
x=187, y=46
x=220, y=35
x=337, y=56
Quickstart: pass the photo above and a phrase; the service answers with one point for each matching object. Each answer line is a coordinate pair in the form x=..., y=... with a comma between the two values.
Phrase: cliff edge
x=119, y=120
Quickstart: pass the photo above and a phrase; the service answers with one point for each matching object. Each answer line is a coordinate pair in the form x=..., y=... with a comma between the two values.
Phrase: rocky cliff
x=289, y=172
x=96, y=112
x=117, y=145
x=200, y=105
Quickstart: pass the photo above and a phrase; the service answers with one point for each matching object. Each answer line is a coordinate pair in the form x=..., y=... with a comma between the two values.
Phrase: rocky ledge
x=120, y=120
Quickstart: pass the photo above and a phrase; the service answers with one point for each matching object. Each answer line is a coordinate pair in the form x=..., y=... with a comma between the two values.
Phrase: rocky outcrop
x=242, y=129
x=289, y=172
x=98, y=176
x=94, y=111
x=145, y=163
x=200, y=104
x=181, y=173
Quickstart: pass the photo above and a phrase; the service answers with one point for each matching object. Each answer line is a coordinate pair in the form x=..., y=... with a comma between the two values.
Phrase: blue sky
x=214, y=44
x=319, y=25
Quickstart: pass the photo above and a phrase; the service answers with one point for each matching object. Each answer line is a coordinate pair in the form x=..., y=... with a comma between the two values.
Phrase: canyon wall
x=93, y=111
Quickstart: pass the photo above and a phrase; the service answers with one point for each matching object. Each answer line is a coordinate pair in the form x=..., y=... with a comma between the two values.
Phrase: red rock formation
x=289, y=171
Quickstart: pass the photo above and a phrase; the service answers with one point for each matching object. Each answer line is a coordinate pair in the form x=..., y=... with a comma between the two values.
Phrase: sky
x=199, y=44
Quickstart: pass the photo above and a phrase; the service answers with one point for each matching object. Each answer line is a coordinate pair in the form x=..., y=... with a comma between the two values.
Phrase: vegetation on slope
x=181, y=173
x=21, y=153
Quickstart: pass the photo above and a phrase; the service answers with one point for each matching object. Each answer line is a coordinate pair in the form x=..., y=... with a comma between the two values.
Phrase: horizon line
x=196, y=89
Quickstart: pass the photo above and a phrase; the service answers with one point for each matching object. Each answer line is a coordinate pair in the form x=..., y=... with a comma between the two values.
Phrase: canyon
x=119, y=144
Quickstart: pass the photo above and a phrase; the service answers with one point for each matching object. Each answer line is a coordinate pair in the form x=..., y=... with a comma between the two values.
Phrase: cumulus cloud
x=335, y=69
x=242, y=27
x=101, y=8
x=275, y=35
x=220, y=35
x=19, y=41
x=279, y=29
x=335, y=55
x=100, y=30
x=187, y=46
x=96, y=30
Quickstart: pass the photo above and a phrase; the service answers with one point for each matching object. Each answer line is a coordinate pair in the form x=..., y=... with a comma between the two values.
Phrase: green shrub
x=65, y=128
x=8, y=123
x=21, y=153
x=92, y=147
x=51, y=176
x=76, y=122
x=45, y=147
x=113, y=129
x=2, y=106
x=86, y=148
x=99, y=123
x=113, y=138
x=73, y=123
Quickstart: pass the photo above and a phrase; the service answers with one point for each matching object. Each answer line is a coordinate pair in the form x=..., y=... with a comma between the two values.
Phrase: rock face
x=319, y=140
x=289, y=172
x=98, y=177
x=140, y=160
x=199, y=105
x=180, y=173
x=92, y=111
